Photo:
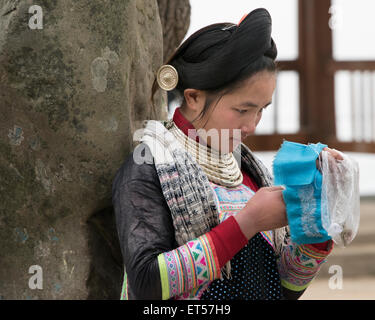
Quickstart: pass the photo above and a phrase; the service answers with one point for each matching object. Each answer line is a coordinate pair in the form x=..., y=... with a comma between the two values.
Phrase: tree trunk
x=175, y=19
x=75, y=84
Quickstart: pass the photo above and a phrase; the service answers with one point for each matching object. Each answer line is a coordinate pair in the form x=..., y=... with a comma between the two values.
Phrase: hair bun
x=215, y=55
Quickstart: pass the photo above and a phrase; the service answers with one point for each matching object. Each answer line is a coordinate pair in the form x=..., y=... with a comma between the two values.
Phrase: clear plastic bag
x=340, y=203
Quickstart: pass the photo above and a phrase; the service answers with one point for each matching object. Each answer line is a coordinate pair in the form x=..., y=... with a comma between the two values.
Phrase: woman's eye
x=241, y=111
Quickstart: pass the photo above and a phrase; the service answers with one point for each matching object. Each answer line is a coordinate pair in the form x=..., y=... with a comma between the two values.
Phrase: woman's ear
x=195, y=99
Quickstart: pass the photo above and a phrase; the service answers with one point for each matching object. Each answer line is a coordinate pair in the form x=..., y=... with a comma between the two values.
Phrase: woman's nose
x=248, y=128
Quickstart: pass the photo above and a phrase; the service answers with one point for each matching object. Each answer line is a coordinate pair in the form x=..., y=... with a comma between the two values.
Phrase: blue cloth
x=294, y=167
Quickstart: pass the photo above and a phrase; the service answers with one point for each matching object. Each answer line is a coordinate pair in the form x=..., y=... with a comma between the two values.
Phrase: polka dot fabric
x=254, y=275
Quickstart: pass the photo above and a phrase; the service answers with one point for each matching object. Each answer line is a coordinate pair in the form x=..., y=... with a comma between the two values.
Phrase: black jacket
x=144, y=226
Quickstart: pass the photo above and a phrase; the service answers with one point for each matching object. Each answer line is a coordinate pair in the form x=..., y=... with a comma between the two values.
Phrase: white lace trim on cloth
x=308, y=206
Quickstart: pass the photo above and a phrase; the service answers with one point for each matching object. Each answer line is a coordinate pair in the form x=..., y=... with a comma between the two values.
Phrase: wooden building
x=316, y=68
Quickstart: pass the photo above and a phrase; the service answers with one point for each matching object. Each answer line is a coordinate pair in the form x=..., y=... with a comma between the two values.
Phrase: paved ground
x=357, y=263
x=352, y=289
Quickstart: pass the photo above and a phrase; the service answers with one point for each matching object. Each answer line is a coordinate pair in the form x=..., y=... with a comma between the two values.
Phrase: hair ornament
x=167, y=77
x=242, y=19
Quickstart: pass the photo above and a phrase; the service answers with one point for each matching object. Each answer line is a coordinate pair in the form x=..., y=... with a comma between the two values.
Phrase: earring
x=167, y=77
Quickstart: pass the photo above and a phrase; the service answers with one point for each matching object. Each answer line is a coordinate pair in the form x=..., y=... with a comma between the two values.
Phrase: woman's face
x=239, y=112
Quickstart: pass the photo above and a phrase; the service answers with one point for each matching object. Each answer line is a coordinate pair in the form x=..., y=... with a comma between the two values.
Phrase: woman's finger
x=334, y=153
x=275, y=188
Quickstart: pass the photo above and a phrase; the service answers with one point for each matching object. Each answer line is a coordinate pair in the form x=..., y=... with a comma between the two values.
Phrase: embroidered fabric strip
x=124, y=289
x=267, y=235
x=230, y=201
x=185, y=270
x=299, y=264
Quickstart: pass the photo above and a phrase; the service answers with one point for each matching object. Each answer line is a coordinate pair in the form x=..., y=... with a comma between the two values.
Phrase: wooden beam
x=352, y=146
x=351, y=65
x=273, y=143
x=288, y=65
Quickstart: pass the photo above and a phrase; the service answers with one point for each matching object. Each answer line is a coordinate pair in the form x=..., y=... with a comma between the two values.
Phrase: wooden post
x=317, y=105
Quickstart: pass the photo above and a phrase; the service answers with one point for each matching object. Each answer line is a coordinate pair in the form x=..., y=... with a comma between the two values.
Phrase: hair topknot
x=215, y=55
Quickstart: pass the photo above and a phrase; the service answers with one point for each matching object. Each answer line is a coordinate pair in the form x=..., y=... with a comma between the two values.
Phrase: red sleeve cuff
x=228, y=239
x=323, y=247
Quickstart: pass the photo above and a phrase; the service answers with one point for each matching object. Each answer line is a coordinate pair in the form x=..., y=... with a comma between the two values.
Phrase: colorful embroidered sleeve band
x=189, y=268
x=299, y=264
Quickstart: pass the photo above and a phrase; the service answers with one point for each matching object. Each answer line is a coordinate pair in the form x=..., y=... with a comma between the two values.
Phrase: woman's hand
x=264, y=211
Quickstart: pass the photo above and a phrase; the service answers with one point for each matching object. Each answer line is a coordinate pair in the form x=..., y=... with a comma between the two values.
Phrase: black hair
x=221, y=56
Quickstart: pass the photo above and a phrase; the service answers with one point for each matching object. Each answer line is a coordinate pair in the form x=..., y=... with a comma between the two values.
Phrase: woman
x=208, y=224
